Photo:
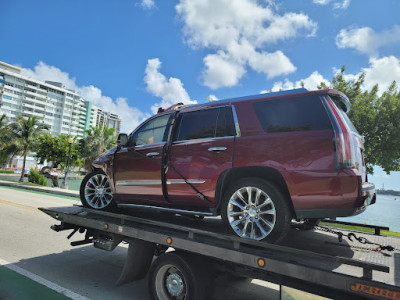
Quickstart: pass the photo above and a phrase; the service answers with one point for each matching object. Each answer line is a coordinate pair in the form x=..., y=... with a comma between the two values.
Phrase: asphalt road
x=27, y=244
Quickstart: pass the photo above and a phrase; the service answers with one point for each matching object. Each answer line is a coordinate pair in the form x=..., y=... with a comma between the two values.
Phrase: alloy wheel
x=251, y=213
x=98, y=192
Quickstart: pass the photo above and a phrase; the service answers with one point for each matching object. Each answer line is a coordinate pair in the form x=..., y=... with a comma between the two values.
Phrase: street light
x=64, y=184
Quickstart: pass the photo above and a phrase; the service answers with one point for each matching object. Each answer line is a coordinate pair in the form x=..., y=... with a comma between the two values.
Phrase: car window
x=152, y=132
x=207, y=123
x=293, y=114
x=225, y=124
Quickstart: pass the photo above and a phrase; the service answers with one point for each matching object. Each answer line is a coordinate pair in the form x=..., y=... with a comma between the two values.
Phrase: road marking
x=19, y=205
x=42, y=281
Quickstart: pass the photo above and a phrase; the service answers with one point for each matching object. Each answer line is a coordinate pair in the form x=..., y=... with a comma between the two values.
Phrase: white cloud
x=310, y=83
x=130, y=116
x=342, y=5
x=382, y=71
x=238, y=30
x=366, y=40
x=44, y=72
x=321, y=2
x=171, y=91
x=147, y=4
x=212, y=98
x=221, y=70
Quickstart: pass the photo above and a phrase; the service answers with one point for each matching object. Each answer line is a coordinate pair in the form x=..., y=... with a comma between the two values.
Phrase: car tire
x=96, y=192
x=256, y=209
x=179, y=276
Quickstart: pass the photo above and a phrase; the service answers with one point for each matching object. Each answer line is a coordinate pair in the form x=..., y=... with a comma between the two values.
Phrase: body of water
x=385, y=212
x=73, y=183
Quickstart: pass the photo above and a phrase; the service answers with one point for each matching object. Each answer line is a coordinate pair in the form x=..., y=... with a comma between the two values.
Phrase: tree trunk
x=23, y=168
x=45, y=172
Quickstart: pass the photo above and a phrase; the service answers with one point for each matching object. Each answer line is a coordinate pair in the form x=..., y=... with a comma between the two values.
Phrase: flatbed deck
x=313, y=261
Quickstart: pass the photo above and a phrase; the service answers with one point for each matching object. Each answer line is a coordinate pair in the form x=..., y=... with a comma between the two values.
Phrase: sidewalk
x=43, y=189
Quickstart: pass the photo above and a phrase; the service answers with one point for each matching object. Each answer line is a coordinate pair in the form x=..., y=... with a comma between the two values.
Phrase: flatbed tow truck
x=307, y=262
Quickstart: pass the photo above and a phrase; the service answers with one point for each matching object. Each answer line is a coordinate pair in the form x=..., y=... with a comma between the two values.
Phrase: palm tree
x=7, y=146
x=25, y=132
x=3, y=131
x=97, y=140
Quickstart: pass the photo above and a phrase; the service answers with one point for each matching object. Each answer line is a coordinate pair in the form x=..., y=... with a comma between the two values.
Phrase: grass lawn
x=359, y=228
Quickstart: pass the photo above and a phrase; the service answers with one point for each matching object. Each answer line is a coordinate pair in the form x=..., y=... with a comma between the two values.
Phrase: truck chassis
x=203, y=249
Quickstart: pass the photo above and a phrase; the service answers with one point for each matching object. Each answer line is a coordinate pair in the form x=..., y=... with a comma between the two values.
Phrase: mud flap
x=137, y=262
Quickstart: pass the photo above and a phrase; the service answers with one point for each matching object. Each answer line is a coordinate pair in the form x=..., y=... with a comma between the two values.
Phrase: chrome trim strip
x=144, y=182
x=145, y=145
x=151, y=154
x=178, y=181
x=179, y=211
x=235, y=119
x=216, y=149
x=155, y=182
x=203, y=139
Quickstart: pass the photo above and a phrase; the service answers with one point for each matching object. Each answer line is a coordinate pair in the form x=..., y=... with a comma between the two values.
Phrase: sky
x=132, y=56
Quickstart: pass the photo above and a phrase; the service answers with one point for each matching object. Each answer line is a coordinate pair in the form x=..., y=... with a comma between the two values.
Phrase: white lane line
x=42, y=281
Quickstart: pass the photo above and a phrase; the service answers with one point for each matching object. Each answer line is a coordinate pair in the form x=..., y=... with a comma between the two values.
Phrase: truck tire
x=256, y=209
x=179, y=276
x=96, y=193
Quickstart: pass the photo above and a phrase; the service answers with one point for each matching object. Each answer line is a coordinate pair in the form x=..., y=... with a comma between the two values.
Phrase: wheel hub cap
x=174, y=284
x=252, y=212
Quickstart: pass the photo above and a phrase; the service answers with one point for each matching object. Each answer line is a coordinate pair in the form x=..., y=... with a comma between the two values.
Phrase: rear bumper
x=367, y=196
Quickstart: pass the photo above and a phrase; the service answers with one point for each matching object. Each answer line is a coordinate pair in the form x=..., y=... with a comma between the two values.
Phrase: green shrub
x=37, y=178
x=10, y=172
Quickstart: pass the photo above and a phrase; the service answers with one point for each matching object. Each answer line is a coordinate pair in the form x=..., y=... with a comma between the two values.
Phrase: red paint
x=305, y=160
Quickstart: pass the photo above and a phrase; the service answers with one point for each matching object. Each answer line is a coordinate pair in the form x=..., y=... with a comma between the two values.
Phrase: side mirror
x=122, y=140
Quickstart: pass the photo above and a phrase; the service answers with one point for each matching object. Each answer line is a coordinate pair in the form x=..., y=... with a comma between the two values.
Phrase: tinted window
x=152, y=132
x=226, y=125
x=294, y=114
x=208, y=123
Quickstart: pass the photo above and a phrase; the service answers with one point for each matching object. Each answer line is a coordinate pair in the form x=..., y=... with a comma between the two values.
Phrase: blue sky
x=130, y=57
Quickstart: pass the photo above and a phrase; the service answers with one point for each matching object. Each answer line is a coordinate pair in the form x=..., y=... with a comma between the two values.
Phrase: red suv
x=258, y=161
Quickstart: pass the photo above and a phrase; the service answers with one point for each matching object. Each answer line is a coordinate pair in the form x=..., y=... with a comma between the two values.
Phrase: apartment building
x=63, y=110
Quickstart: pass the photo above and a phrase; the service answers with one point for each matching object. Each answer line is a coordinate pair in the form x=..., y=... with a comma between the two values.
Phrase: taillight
x=343, y=139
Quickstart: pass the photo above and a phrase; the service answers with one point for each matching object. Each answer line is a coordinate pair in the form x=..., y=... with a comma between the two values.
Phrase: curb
x=56, y=191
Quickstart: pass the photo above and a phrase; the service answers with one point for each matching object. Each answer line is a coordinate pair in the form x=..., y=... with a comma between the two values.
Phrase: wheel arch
x=269, y=174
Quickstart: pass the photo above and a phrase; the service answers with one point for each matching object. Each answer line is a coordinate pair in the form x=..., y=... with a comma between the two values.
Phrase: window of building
x=207, y=123
x=293, y=114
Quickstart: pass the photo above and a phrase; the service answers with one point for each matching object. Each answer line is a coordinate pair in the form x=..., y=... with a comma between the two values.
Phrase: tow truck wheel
x=256, y=209
x=178, y=276
x=95, y=191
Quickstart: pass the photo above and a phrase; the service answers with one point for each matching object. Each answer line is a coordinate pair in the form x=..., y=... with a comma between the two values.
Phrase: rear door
x=202, y=149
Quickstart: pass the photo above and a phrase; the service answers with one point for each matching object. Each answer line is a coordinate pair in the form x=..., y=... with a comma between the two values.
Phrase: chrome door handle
x=215, y=149
x=151, y=154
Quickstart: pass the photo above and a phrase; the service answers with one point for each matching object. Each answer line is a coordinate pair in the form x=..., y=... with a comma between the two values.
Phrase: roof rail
x=293, y=91
x=287, y=92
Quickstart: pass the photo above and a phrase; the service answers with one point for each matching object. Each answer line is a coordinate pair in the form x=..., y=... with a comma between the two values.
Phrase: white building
x=65, y=111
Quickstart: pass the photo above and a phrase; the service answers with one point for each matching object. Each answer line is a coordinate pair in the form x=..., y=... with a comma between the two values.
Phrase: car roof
x=265, y=96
